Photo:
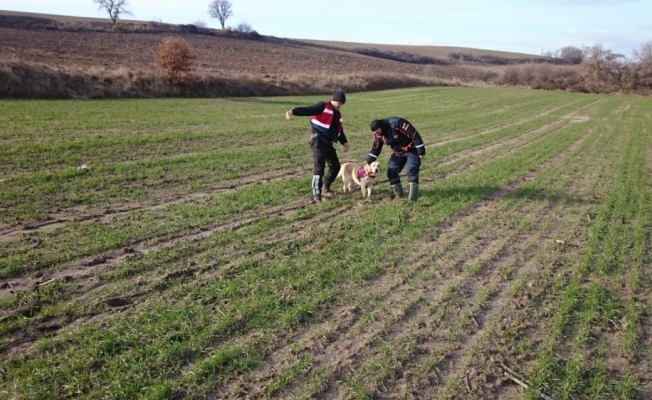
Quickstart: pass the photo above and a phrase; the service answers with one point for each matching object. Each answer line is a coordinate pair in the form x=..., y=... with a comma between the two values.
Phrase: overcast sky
x=524, y=26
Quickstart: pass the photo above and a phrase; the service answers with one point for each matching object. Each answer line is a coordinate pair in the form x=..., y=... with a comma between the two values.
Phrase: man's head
x=378, y=126
x=338, y=99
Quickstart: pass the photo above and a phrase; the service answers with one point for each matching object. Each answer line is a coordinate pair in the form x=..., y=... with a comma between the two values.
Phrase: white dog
x=364, y=176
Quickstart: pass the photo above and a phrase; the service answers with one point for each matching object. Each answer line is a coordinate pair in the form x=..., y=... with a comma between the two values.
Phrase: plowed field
x=214, y=55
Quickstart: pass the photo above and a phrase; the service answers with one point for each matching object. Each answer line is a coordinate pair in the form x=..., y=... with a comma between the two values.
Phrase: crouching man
x=408, y=149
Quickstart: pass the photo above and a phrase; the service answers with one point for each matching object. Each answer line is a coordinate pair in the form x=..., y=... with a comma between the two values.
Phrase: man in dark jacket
x=326, y=125
x=408, y=148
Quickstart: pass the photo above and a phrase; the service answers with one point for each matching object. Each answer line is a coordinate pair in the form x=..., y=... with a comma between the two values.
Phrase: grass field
x=184, y=259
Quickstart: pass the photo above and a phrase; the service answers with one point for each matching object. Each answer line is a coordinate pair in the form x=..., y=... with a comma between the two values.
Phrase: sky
x=522, y=26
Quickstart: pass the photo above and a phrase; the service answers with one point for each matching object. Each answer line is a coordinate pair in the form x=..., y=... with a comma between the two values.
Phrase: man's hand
x=346, y=147
x=421, y=157
x=288, y=114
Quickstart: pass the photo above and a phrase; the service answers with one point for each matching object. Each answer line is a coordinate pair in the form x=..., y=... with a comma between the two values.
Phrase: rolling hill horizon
x=424, y=50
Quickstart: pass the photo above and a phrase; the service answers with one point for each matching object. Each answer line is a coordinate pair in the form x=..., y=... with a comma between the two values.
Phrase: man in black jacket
x=326, y=124
x=408, y=148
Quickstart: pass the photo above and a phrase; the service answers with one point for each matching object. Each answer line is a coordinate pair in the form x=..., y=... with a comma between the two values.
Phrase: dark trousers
x=398, y=161
x=324, y=153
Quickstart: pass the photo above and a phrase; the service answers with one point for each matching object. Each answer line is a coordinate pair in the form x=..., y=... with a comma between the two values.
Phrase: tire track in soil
x=124, y=302
x=93, y=265
x=140, y=248
x=518, y=142
x=56, y=219
x=331, y=330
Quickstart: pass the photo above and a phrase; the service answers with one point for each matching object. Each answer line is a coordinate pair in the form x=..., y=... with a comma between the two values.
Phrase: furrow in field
x=110, y=214
x=330, y=360
x=448, y=376
x=438, y=321
x=346, y=330
x=516, y=318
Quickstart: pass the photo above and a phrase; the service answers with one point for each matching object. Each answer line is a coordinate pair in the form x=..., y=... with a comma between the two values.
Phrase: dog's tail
x=341, y=172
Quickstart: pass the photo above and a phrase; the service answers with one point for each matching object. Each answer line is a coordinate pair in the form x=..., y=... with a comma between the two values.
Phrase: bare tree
x=115, y=8
x=644, y=54
x=572, y=54
x=550, y=53
x=605, y=69
x=220, y=9
x=243, y=27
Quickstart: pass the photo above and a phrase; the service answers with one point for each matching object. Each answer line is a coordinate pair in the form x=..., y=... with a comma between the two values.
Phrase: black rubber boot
x=414, y=191
x=397, y=190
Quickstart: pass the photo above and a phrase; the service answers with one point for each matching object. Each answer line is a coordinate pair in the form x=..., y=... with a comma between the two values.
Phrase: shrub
x=175, y=59
x=243, y=27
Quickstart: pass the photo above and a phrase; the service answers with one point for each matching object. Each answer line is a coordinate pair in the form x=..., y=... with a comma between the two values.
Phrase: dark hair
x=339, y=96
x=378, y=124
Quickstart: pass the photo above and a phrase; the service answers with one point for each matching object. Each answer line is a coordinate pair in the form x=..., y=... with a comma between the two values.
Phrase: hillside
x=48, y=56
x=87, y=58
x=73, y=22
x=214, y=54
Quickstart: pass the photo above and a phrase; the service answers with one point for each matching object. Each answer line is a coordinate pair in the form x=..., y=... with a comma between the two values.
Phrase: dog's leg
x=363, y=187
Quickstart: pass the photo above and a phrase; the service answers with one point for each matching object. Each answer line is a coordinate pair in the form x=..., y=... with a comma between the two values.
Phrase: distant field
x=167, y=249
x=430, y=51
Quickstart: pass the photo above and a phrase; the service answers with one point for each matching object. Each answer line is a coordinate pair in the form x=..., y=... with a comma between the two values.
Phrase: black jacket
x=332, y=135
x=400, y=135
